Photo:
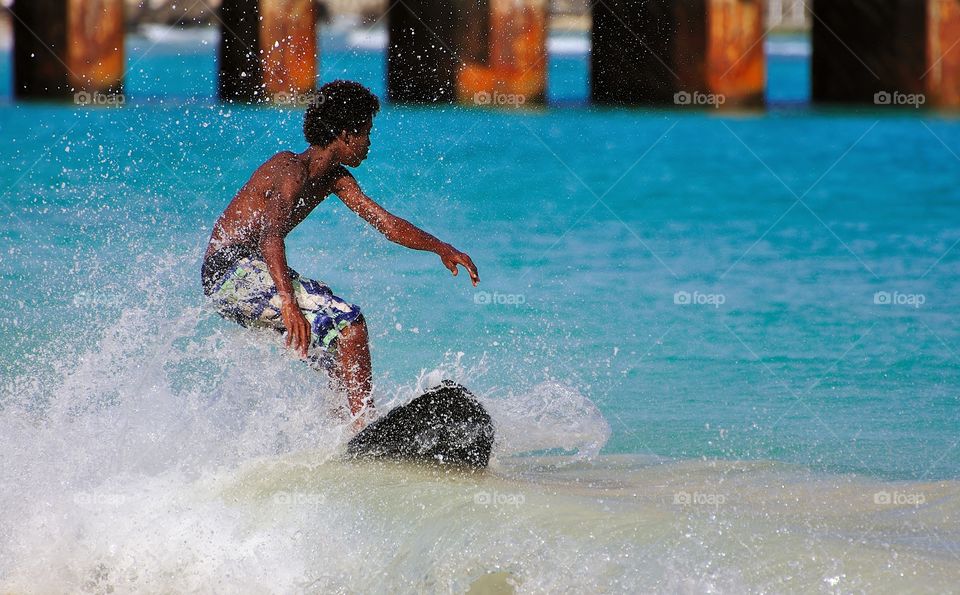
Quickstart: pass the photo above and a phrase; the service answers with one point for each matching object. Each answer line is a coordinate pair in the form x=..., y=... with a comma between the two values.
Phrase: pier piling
x=478, y=52
x=504, y=54
x=678, y=52
x=887, y=52
x=68, y=49
x=268, y=50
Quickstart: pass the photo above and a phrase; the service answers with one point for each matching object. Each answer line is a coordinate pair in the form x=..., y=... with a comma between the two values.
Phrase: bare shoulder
x=342, y=180
x=285, y=163
x=283, y=170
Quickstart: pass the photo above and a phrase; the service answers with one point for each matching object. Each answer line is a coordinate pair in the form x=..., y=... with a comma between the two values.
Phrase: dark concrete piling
x=887, y=52
x=479, y=52
x=268, y=50
x=422, y=57
x=68, y=49
x=706, y=53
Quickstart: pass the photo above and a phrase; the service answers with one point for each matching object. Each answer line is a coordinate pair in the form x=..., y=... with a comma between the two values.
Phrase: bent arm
x=276, y=217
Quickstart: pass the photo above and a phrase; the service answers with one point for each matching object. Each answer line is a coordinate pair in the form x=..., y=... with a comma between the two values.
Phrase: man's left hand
x=452, y=257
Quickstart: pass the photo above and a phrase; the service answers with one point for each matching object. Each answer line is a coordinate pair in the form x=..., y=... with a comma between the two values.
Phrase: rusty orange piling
x=473, y=51
x=678, y=52
x=268, y=50
x=508, y=62
x=68, y=48
x=942, y=76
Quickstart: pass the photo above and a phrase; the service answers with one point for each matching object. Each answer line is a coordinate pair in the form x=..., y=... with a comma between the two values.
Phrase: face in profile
x=358, y=145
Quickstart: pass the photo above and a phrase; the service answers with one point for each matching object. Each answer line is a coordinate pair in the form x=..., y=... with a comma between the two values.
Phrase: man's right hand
x=298, y=329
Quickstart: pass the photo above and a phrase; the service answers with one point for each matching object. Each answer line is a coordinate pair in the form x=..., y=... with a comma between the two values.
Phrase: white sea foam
x=129, y=461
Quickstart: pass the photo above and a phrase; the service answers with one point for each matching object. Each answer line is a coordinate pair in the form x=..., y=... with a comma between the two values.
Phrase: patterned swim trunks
x=239, y=284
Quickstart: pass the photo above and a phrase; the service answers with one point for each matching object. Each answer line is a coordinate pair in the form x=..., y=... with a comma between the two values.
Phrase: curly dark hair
x=336, y=107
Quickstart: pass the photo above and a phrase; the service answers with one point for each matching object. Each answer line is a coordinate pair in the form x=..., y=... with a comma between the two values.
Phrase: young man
x=245, y=271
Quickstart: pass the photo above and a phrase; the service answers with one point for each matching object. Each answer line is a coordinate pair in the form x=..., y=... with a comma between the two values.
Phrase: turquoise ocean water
x=729, y=338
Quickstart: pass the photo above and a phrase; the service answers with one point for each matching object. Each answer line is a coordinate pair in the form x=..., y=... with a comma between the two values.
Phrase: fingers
x=293, y=338
x=305, y=338
x=298, y=336
x=451, y=265
x=471, y=268
x=462, y=259
x=474, y=275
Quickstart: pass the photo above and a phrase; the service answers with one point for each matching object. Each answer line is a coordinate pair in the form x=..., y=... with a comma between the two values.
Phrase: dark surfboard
x=444, y=425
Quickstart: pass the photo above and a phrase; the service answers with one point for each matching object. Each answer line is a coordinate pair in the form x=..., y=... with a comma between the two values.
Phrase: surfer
x=245, y=272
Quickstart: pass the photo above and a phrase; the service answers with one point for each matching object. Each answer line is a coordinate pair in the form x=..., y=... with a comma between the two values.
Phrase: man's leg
x=353, y=364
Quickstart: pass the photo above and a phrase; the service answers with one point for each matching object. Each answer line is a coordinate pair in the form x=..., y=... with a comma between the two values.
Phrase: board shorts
x=238, y=283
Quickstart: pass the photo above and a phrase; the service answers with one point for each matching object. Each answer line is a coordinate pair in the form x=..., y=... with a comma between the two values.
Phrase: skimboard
x=445, y=425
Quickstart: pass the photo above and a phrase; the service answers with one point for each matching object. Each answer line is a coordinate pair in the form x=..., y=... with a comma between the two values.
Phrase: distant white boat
x=568, y=44
x=377, y=39
x=791, y=48
x=179, y=35
x=367, y=39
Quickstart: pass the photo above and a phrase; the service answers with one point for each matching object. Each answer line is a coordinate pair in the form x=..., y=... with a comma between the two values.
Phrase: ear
x=344, y=137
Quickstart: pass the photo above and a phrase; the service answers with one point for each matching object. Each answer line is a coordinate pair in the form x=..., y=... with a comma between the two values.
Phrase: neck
x=318, y=159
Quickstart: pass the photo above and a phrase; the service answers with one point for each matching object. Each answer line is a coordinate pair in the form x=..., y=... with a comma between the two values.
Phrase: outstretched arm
x=399, y=230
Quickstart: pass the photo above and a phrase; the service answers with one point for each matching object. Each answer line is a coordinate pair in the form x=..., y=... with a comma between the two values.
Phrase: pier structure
x=678, y=52
x=471, y=51
x=68, y=49
x=700, y=53
x=889, y=53
x=268, y=50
